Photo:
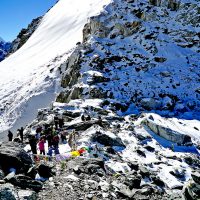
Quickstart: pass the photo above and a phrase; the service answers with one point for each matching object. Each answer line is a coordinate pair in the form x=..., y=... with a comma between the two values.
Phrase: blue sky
x=17, y=14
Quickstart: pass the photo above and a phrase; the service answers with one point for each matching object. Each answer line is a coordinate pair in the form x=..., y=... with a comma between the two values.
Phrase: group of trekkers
x=20, y=133
x=52, y=134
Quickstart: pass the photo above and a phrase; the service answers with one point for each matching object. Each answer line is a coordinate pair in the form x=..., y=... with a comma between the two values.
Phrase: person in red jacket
x=41, y=146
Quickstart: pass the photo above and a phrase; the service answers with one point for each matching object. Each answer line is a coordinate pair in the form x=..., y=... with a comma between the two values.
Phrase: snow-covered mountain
x=4, y=49
x=32, y=71
x=142, y=55
x=125, y=75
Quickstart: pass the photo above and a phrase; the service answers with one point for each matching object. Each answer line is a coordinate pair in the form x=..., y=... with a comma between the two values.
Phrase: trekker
x=72, y=140
x=56, y=121
x=33, y=144
x=63, y=137
x=61, y=122
x=10, y=135
x=38, y=132
x=21, y=133
x=83, y=118
x=49, y=138
x=41, y=146
x=88, y=118
x=56, y=141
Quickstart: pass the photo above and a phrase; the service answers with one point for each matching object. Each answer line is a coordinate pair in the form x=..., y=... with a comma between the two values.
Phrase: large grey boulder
x=26, y=182
x=106, y=140
x=12, y=155
x=45, y=171
x=168, y=133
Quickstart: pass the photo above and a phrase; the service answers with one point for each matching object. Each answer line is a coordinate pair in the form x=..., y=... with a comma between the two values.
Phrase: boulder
x=144, y=171
x=191, y=191
x=7, y=192
x=95, y=27
x=106, y=140
x=149, y=148
x=26, y=182
x=32, y=172
x=150, y=103
x=9, y=177
x=12, y=155
x=44, y=171
x=133, y=165
x=82, y=126
x=168, y=133
x=133, y=181
x=141, y=153
x=89, y=166
x=123, y=190
x=196, y=176
x=156, y=180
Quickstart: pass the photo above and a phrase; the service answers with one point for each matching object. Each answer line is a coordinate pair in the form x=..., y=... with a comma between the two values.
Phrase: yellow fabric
x=75, y=153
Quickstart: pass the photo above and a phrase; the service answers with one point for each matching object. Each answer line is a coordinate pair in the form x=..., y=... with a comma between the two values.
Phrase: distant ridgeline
x=7, y=48
x=24, y=35
x=4, y=49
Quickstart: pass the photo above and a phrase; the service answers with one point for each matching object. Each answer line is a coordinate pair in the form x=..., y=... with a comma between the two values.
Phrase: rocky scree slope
x=143, y=54
x=126, y=161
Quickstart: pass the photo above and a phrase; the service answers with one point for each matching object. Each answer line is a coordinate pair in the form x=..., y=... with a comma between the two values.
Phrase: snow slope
x=26, y=73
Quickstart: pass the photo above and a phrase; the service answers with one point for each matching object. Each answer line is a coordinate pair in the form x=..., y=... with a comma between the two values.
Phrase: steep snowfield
x=26, y=73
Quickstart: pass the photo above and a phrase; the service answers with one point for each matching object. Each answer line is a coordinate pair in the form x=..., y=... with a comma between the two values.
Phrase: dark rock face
x=120, y=70
x=12, y=155
x=106, y=140
x=192, y=190
x=196, y=177
x=25, y=182
x=44, y=171
x=32, y=172
x=149, y=148
x=133, y=181
x=24, y=35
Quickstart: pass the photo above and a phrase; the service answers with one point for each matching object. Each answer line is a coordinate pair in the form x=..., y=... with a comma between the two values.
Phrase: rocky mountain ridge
x=8, y=48
x=4, y=49
x=24, y=35
x=139, y=53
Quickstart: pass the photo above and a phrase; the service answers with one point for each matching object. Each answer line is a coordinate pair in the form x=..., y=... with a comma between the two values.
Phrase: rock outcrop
x=122, y=57
x=167, y=133
x=24, y=35
x=12, y=155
